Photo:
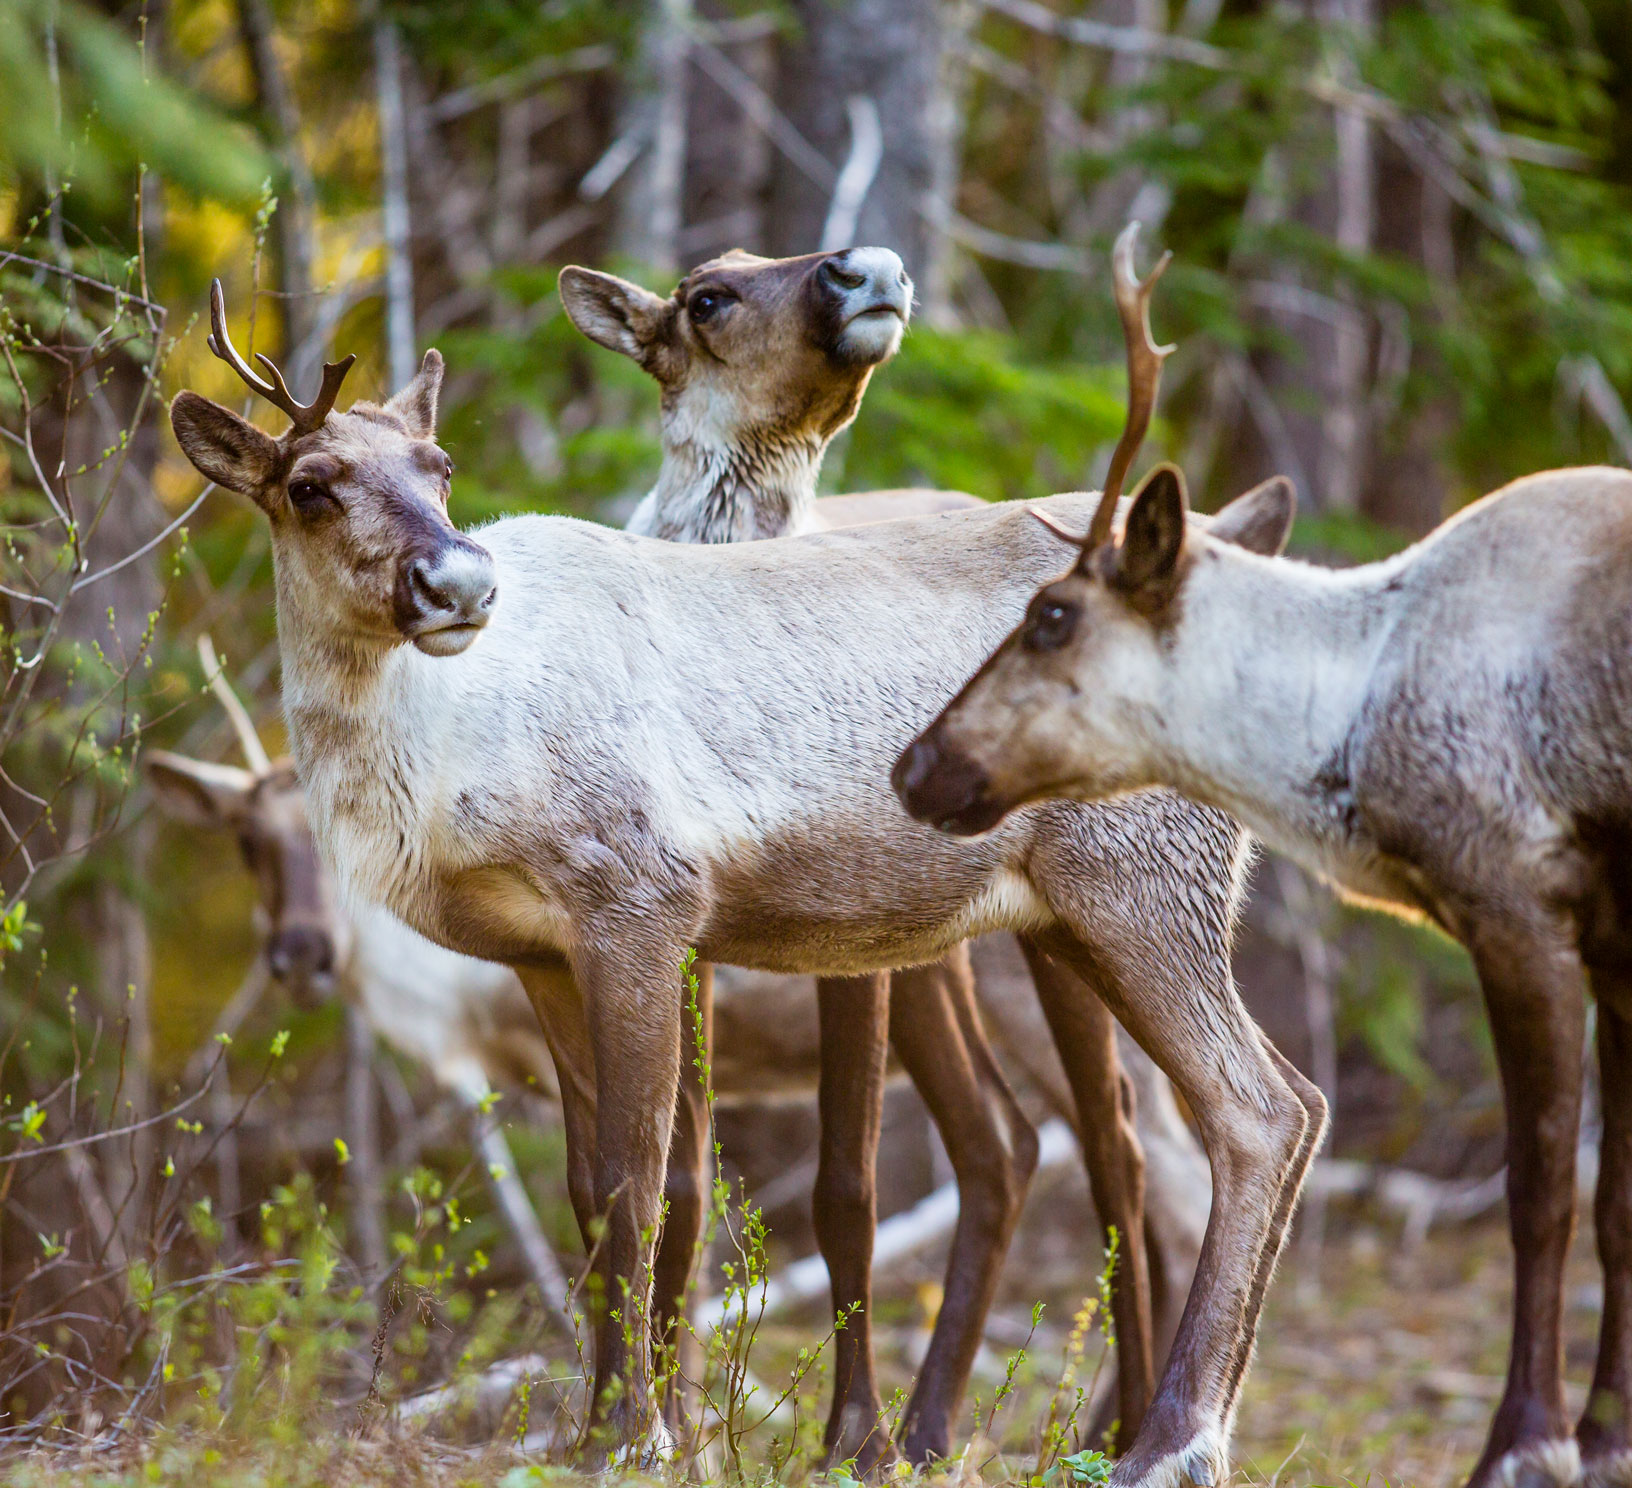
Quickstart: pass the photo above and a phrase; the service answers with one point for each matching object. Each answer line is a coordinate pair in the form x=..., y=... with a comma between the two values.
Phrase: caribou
x=579, y=752
x=761, y=363
x=790, y=345
x=1447, y=735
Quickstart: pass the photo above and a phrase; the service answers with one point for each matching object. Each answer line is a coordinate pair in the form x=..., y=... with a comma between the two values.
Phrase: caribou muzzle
x=945, y=788
x=871, y=298
x=301, y=960
x=445, y=595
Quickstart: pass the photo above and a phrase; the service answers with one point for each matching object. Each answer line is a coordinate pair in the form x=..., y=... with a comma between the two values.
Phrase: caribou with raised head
x=761, y=362
x=645, y=746
x=1446, y=734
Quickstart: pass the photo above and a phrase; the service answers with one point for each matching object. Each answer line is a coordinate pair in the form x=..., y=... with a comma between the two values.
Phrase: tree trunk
x=651, y=206
x=1409, y=484
x=904, y=56
x=280, y=123
x=402, y=358
x=729, y=160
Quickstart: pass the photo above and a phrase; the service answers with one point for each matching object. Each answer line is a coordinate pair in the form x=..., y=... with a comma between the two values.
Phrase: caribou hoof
x=863, y=1443
x=1540, y=1464
x=1203, y=1462
x=651, y=1455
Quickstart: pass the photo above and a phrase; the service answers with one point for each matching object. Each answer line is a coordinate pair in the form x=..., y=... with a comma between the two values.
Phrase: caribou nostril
x=844, y=278
x=419, y=576
x=914, y=766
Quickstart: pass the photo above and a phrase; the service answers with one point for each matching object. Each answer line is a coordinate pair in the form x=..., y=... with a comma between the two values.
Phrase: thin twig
x=107, y=1136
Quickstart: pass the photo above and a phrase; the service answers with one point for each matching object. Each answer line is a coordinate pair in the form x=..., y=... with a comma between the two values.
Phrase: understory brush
x=251, y=1348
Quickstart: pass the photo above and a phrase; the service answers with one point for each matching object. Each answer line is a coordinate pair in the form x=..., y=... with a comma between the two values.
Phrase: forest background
x=1403, y=275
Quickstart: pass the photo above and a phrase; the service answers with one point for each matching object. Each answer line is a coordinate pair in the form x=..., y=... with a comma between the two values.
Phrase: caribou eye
x=1051, y=625
x=308, y=496
x=448, y=461
x=705, y=306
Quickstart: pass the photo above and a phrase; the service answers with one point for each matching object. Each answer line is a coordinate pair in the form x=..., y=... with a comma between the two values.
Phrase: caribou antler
x=1145, y=360
x=249, y=741
x=1064, y=533
x=304, y=416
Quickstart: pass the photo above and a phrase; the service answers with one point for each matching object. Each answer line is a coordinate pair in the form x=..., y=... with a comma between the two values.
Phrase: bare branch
x=94, y=1138
x=248, y=739
x=1131, y=40
x=147, y=547
x=764, y=115
x=856, y=175
x=523, y=79
x=1027, y=253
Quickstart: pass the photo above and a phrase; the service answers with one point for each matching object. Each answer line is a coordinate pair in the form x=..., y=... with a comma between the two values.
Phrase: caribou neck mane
x=365, y=731
x=716, y=489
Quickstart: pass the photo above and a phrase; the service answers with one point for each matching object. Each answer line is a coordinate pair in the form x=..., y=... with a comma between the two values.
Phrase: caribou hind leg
x=1314, y=1103
x=937, y=1034
x=1534, y=987
x=1605, y=1429
x=854, y=1015
x=685, y=1189
x=1085, y=1035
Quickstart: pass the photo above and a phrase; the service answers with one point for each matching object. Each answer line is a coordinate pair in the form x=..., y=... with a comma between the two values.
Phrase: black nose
x=299, y=953
x=948, y=790
x=430, y=593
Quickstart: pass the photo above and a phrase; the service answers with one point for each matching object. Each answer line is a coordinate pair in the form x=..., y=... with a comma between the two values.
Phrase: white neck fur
x=1266, y=678
x=714, y=490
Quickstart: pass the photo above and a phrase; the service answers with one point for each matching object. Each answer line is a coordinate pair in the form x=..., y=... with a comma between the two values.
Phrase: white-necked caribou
x=760, y=363
x=1446, y=734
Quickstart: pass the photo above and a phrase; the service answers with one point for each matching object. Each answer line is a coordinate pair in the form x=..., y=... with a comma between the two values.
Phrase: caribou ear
x=1147, y=561
x=415, y=405
x=616, y=314
x=1259, y=520
x=196, y=792
x=227, y=449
